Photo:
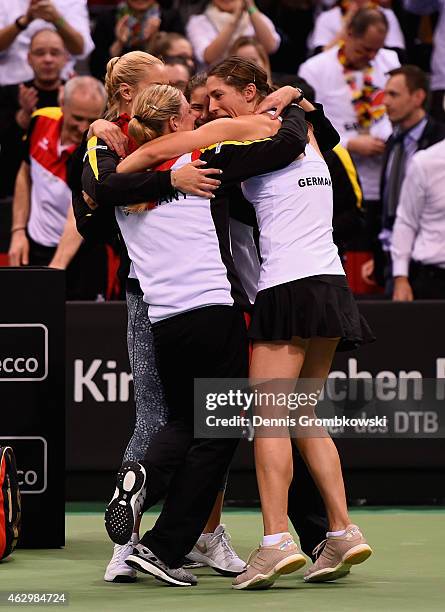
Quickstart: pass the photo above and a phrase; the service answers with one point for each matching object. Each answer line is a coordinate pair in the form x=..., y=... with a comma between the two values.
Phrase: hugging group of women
x=230, y=218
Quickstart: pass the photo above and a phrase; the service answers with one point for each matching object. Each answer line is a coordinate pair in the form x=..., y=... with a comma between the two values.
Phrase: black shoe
x=147, y=562
x=127, y=502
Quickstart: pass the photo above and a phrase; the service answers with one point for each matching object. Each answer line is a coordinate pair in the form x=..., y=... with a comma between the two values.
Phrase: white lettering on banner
x=19, y=365
x=440, y=379
x=387, y=386
x=104, y=384
x=117, y=384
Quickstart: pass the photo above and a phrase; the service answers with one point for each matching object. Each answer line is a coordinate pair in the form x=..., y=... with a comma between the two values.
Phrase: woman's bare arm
x=248, y=127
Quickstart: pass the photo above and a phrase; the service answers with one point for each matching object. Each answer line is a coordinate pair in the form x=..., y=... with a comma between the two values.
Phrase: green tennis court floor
x=406, y=571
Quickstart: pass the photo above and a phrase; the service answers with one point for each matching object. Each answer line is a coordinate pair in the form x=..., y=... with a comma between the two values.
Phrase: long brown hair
x=239, y=72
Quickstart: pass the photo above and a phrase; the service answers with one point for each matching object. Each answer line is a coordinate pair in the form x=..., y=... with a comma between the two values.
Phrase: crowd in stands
x=377, y=67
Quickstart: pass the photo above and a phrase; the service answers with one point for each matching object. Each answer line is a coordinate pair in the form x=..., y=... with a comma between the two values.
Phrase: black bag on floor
x=10, y=502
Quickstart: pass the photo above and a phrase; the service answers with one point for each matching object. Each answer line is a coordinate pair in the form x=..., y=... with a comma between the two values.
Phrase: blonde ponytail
x=152, y=108
x=130, y=68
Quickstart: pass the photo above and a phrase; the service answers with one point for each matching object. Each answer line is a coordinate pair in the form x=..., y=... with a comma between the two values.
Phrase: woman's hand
x=193, y=179
x=89, y=201
x=112, y=136
x=278, y=100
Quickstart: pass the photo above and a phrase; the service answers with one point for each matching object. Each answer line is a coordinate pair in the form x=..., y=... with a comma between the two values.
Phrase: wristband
x=252, y=9
x=17, y=229
x=19, y=25
x=301, y=96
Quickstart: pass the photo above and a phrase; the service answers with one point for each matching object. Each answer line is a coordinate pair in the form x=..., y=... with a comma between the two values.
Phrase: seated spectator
x=47, y=56
x=197, y=97
x=178, y=73
x=424, y=7
x=171, y=45
x=213, y=32
x=43, y=227
x=331, y=26
x=129, y=27
x=418, y=242
x=21, y=19
x=249, y=48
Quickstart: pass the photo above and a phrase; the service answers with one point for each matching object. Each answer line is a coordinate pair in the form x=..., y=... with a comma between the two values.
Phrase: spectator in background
x=178, y=72
x=223, y=21
x=294, y=20
x=171, y=45
x=406, y=96
x=424, y=7
x=418, y=242
x=43, y=227
x=47, y=57
x=349, y=80
x=21, y=19
x=331, y=26
x=249, y=48
x=197, y=97
x=130, y=27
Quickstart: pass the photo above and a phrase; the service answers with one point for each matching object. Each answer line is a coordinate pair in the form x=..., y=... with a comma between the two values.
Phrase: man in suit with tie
x=406, y=98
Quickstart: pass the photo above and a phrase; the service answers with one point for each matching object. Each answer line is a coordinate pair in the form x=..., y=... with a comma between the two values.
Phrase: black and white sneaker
x=147, y=562
x=127, y=502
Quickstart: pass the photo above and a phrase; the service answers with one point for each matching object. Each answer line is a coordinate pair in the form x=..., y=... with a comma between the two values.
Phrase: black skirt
x=316, y=306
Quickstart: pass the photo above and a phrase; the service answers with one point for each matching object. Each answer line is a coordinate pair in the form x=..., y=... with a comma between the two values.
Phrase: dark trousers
x=208, y=342
x=427, y=282
x=438, y=104
x=306, y=509
x=86, y=275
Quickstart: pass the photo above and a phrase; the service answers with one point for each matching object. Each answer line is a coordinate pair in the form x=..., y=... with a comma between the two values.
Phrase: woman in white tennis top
x=303, y=312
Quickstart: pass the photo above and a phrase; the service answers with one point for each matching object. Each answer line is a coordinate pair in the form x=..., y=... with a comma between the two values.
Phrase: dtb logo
x=23, y=352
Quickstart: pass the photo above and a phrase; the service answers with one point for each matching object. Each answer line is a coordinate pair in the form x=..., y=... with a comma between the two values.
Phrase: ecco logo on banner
x=23, y=352
x=32, y=461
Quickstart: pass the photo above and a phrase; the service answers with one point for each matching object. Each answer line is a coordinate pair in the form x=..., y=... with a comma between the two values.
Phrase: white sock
x=329, y=534
x=272, y=539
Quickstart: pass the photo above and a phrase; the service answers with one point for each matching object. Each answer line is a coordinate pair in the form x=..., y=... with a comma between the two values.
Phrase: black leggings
x=208, y=342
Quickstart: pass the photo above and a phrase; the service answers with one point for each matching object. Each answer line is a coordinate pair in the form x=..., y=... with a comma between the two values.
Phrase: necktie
x=395, y=178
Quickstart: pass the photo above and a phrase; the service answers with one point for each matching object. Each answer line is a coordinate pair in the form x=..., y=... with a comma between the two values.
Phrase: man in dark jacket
x=406, y=96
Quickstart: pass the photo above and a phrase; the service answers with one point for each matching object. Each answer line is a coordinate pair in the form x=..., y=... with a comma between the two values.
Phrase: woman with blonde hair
x=126, y=77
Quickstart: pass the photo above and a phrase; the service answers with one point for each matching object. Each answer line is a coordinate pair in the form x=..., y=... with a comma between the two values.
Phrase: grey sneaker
x=143, y=560
x=216, y=551
x=127, y=502
x=337, y=554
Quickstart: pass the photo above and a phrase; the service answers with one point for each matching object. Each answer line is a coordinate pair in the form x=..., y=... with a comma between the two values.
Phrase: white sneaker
x=117, y=570
x=215, y=550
